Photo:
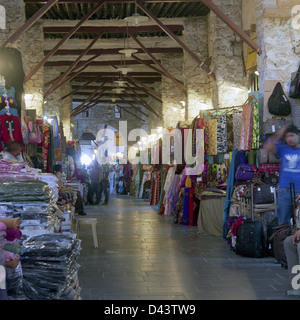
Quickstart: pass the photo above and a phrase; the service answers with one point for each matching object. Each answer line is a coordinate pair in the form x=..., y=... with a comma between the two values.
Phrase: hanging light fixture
x=127, y=51
x=136, y=19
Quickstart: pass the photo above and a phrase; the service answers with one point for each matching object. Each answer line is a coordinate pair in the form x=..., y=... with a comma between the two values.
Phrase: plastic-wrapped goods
x=31, y=190
x=49, y=265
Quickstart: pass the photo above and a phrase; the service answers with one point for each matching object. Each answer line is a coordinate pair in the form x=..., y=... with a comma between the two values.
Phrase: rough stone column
x=171, y=95
x=225, y=49
x=33, y=53
x=197, y=82
x=53, y=105
x=66, y=110
x=280, y=54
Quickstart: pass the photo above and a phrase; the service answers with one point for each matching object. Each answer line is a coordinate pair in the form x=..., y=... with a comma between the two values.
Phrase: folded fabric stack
x=50, y=267
x=31, y=190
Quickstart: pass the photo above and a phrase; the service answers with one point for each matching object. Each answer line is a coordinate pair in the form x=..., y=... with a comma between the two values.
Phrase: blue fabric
x=230, y=185
x=285, y=205
x=12, y=111
x=290, y=165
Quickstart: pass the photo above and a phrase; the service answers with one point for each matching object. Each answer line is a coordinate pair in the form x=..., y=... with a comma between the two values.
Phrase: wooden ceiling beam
x=73, y=65
x=133, y=114
x=66, y=63
x=76, y=52
x=238, y=30
x=81, y=87
x=132, y=105
x=71, y=31
x=112, y=78
x=49, y=4
x=165, y=71
x=112, y=1
x=109, y=29
x=169, y=32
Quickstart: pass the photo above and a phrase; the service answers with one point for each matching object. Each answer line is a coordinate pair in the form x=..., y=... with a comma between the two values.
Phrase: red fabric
x=16, y=133
x=269, y=167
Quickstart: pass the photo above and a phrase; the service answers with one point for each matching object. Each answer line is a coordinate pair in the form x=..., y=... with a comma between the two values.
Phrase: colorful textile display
x=10, y=128
x=255, y=125
x=230, y=134
x=222, y=134
x=246, y=128
x=237, y=124
x=211, y=131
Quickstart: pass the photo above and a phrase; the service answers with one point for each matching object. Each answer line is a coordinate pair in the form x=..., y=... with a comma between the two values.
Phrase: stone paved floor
x=144, y=256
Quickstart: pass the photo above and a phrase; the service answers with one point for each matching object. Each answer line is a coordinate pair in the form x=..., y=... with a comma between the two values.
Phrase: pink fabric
x=2, y=226
x=10, y=256
x=12, y=234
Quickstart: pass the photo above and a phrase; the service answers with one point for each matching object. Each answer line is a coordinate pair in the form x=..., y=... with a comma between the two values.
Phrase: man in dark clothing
x=104, y=182
x=95, y=184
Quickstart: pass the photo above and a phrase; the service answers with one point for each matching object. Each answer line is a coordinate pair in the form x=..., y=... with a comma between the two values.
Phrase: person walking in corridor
x=286, y=145
x=95, y=183
x=104, y=183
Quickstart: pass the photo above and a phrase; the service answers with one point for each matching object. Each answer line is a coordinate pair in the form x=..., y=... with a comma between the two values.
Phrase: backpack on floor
x=249, y=240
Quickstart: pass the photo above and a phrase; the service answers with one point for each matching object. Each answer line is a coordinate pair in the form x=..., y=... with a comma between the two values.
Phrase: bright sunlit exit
x=86, y=160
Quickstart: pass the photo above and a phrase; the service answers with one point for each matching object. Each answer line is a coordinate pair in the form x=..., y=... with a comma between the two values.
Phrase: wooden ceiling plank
x=109, y=29
x=29, y=23
x=65, y=38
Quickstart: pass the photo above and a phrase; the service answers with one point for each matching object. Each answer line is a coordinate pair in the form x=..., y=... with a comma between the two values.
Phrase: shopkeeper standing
x=286, y=145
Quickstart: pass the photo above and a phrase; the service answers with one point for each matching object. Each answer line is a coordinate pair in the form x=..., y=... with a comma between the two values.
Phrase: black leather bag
x=278, y=103
x=295, y=86
x=262, y=194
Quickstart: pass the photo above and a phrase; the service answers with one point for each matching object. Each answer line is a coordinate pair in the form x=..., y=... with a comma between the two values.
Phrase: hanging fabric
x=255, y=129
x=230, y=135
x=222, y=134
x=211, y=130
x=237, y=124
x=246, y=128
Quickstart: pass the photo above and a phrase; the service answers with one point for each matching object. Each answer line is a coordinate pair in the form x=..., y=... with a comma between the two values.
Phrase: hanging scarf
x=246, y=128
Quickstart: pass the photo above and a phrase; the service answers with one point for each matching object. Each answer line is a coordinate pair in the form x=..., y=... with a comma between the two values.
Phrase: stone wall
x=280, y=44
x=225, y=49
x=197, y=82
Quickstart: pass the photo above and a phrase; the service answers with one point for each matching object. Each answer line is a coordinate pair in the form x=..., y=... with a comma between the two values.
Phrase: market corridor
x=144, y=256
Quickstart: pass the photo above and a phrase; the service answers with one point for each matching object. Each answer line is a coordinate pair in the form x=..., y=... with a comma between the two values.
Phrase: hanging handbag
x=278, y=103
x=295, y=86
x=245, y=172
x=263, y=156
x=263, y=194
